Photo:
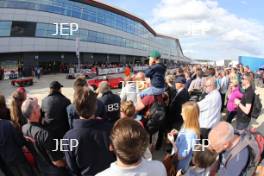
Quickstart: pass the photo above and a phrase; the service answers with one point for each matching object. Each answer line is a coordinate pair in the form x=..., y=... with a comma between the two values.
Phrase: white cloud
x=244, y=2
x=215, y=30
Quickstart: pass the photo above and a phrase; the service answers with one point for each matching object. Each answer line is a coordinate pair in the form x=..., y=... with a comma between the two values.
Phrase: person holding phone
x=187, y=136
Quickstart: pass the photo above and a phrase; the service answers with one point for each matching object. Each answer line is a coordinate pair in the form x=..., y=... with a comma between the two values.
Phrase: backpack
x=156, y=116
x=255, y=143
x=257, y=106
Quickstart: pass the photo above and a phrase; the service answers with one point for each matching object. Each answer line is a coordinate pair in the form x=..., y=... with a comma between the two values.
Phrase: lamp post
x=78, y=53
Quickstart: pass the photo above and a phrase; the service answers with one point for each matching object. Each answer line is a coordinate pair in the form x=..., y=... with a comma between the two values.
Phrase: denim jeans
x=230, y=116
x=242, y=125
x=151, y=91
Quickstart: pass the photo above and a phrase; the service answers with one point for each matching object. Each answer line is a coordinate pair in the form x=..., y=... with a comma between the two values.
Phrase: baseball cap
x=154, y=54
x=55, y=85
x=180, y=79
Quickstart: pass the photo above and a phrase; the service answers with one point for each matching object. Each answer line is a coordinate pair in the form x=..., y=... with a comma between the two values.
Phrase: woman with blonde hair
x=18, y=97
x=127, y=109
x=234, y=94
x=187, y=136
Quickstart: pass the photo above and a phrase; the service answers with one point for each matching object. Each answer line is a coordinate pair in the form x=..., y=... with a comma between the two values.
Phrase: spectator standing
x=170, y=86
x=129, y=142
x=11, y=143
x=92, y=155
x=233, y=74
x=143, y=107
x=224, y=82
x=245, y=105
x=111, y=101
x=1, y=73
x=49, y=162
x=187, y=136
x=141, y=82
x=234, y=94
x=127, y=71
x=222, y=140
x=4, y=111
x=129, y=91
x=203, y=159
x=71, y=110
x=127, y=109
x=53, y=108
x=210, y=108
x=167, y=125
x=177, y=101
x=187, y=76
x=18, y=97
x=198, y=82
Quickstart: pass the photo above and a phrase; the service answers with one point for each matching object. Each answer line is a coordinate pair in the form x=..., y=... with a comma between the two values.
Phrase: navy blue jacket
x=112, y=106
x=11, y=142
x=92, y=155
x=72, y=113
x=156, y=73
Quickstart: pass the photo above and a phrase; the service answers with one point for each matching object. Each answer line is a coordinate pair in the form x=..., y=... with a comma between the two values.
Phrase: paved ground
x=40, y=90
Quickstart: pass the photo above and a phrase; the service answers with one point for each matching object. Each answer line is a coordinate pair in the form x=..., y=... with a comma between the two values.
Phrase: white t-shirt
x=145, y=168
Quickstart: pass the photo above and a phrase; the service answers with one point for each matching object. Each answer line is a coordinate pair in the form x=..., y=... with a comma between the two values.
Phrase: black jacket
x=55, y=116
x=5, y=113
x=92, y=155
x=156, y=73
x=112, y=106
x=11, y=143
x=176, y=105
x=43, y=142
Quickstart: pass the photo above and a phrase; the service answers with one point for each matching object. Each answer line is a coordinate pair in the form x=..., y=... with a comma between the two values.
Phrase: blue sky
x=230, y=28
x=252, y=9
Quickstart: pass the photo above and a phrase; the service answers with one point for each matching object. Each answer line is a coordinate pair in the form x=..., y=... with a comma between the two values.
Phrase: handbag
x=170, y=161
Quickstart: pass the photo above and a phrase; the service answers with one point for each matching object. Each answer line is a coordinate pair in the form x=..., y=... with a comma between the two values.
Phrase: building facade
x=105, y=34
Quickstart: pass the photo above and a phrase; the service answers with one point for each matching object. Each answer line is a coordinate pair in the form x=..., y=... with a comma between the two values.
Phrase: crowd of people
x=188, y=111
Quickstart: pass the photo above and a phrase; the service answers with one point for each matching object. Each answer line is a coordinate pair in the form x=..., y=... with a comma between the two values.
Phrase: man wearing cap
x=182, y=95
x=156, y=73
x=111, y=101
x=54, y=110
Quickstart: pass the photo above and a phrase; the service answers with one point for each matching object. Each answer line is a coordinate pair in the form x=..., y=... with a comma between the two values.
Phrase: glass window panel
x=5, y=25
x=4, y=32
x=123, y=42
x=99, y=37
x=41, y=33
x=91, y=36
x=43, y=7
x=76, y=14
x=21, y=29
x=85, y=16
x=83, y=35
x=87, y=12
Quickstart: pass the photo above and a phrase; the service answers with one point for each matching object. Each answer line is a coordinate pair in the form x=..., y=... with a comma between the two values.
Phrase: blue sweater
x=156, y=73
